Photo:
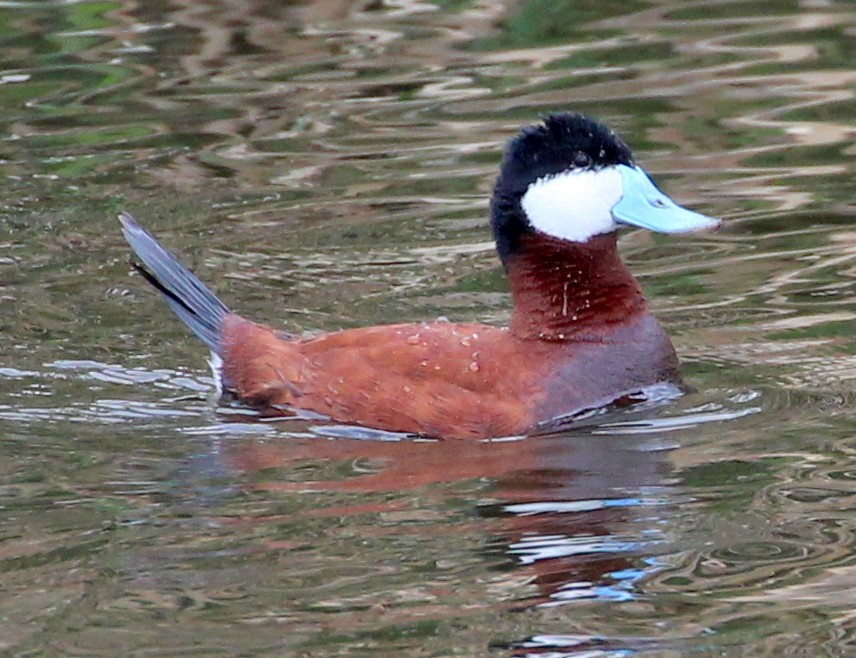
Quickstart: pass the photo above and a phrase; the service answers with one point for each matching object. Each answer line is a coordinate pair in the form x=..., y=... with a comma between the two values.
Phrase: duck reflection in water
x=578, y=514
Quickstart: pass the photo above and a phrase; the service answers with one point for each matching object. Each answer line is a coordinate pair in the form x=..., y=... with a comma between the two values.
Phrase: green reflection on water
x=334, y=171
x=549, y=22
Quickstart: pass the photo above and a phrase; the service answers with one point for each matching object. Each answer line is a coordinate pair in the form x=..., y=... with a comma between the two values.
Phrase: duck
x=581, y=334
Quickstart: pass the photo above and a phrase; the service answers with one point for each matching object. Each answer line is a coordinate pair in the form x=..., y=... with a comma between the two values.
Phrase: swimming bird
x=581, y=333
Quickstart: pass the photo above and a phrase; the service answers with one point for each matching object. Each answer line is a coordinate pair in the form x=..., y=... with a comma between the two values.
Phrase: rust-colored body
x=581, y=336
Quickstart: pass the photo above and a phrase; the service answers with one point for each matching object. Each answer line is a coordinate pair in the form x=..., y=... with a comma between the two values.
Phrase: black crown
x=560, y=143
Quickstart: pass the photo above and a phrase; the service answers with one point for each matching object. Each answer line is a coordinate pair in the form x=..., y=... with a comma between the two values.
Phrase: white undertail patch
x=574, y=205
x=216, y=364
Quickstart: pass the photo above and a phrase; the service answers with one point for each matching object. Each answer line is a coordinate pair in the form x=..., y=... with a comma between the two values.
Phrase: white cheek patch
x=574, y=205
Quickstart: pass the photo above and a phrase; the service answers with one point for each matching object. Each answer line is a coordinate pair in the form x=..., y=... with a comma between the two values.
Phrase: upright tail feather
x=192, y=301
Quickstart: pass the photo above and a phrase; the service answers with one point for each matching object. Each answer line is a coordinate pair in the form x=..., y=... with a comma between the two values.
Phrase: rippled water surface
x=327, y=164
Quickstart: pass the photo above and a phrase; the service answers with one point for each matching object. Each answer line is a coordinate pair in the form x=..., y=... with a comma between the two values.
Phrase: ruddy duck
x=581, y=333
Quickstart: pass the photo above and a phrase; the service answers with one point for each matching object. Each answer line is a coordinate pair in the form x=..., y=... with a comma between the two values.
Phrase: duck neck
x=565, y=290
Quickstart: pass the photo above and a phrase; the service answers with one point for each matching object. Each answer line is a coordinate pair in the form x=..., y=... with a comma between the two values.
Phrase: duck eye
x=582, y=159
x=659, y=203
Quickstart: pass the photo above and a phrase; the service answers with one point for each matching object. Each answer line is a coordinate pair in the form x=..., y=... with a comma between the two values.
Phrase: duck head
x=564, y=188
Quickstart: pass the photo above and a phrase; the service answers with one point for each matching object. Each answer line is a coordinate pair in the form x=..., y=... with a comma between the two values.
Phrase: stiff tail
x=192, y=301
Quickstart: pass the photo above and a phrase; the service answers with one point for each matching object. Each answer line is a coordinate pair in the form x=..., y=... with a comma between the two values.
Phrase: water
x=327, y=165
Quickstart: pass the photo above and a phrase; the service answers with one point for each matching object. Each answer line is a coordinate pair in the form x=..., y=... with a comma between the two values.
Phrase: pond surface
x=327, y=164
